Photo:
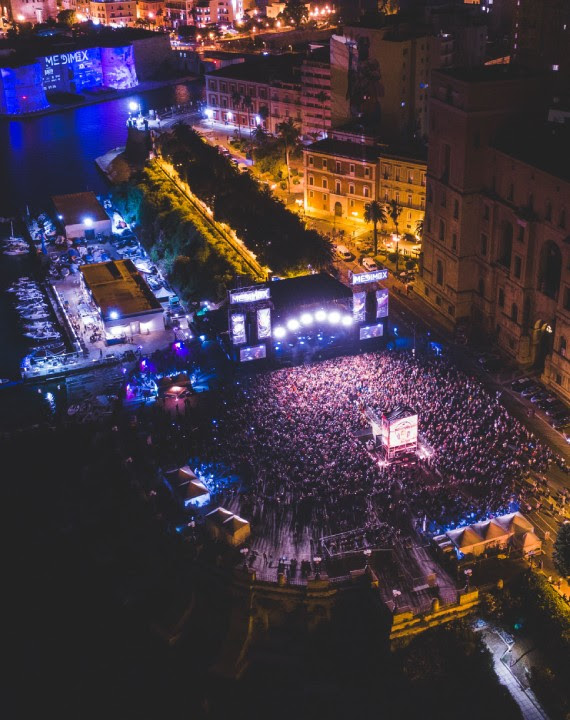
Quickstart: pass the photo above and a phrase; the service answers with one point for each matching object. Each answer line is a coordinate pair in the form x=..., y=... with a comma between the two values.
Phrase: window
x=558, y=378
x=351, y=168
x=514, y=312
x=338, y=167
x=520, y=235
x=439, y=273
x=511, y=192
x=422, y=202
x=337, y=187
x=397, y=173
x=311, y=180
x=443, y=199
x=423, y=178
x=456, y=209
x=351, y=189
x=410, y=200
x=451, y=309
x=548, y=211
x=562, y=345
x=454, y=241
x=311, y=193
x=501, y=299
x=481, y=287
x=427, y=291
x=410, y=176
x=367, y=172
x=437, y=300
x=506, y=245
x=311, y=160
x=397, y=197
x=485, y=212
x=386, y=198
x=325, y=183
x=562, y=222
x=366, y=191
x=325, y=164
x=351, y=203
x=518, y=266
x=441, y=233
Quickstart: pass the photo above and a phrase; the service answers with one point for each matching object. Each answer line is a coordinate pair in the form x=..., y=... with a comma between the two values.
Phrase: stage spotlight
x=334, y=317
x=279, y=332
x=293, y=324
x=320, y=315
x=306, y=319
x=346, y=320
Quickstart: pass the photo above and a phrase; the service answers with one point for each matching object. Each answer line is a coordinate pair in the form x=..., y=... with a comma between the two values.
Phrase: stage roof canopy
x=307, y=290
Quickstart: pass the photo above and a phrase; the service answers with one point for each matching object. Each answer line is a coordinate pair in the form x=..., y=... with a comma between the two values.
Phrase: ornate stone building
x=496, y=245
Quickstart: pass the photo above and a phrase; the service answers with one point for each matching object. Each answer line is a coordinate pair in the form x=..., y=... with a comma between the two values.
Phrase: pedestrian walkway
x=525, y=699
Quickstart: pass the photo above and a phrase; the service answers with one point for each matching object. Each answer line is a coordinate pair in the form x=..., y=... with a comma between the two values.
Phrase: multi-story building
x=34, y=11
x=218, y=12
x=348, y=170
x=380, y=70
x=121, y=13
x=316, y=94
x=259, y=92
x=496, y=230
x=541, y=36
x=178, y=12
x=151, y=11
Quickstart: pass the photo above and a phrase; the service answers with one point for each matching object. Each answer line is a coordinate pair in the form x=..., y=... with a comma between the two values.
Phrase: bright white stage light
x=320, y=315
x=279, y=332
x=334, y=317
x=293, y=325
x=346, y=320
x=306, y=319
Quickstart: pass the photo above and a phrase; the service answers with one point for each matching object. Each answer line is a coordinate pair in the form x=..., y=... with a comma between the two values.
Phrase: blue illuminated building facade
x=23, y=87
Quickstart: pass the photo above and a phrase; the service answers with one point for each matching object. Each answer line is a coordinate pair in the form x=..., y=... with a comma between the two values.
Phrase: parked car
x=368, y=264
x=530, y=390
x=520, y=384
x=556, y=409
x=541, y=395
x=343, y=252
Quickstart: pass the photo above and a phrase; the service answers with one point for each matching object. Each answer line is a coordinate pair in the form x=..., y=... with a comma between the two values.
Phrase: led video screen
x=381, y=303
x=238, y=328
x=371, y=331
x=257, y=352
x=263, y=323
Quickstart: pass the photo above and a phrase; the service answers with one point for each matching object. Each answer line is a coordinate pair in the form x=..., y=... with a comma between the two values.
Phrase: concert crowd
x=295, y=436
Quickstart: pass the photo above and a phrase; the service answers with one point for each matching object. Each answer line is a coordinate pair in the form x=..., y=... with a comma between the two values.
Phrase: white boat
x=43, y=336
x=35, y=316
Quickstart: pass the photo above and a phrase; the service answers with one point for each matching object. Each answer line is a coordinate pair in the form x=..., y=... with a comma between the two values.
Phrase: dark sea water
x=45, y=156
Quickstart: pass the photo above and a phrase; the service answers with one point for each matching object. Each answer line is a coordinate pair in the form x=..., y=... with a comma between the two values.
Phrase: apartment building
x=265, y=91
x=34, y=11
x=348, y=170
x=219, y=12
x=152, y=11
x=316, y=94
x=121, y=13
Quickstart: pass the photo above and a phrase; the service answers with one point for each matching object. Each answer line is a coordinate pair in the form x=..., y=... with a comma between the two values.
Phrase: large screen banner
x=72, y=71
x=400, y=432
x=381, y=303
x=263, y=323
x=238, y=328
x=359, y=306
x=257, y=352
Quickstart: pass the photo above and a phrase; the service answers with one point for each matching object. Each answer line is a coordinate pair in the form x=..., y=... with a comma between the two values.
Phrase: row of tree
x=276, y=236
x=195, y=258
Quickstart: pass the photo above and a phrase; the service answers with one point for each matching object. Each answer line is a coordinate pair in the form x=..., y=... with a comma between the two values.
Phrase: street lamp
x=244, y=551
x=367, y=553
x=317, y=560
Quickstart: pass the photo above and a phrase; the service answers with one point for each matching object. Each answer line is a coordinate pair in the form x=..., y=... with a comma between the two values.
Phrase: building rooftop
x=487, y=73
x=546, y=147
x=307, y=290
x=264, y=69
x=118, y=287
x=76, y=207
x=343, y=148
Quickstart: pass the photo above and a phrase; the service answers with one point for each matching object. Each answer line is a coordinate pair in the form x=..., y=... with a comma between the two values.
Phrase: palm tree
x=322, y=97
x=394, y=213
x=420, y=228
x=237, y=99
x=289, y=133
x=375, y=212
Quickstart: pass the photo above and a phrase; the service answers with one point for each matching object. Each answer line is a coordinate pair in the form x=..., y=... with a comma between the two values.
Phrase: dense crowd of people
x=294, y=436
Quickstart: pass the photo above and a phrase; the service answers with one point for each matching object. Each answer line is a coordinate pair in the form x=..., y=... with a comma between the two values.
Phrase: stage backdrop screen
x=263, y=323
x=401, y=432
x=381, y=303
x=257, y=352
x=238, y=328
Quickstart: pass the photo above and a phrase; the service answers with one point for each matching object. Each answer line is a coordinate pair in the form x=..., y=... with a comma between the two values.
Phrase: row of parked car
x=557, y=413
